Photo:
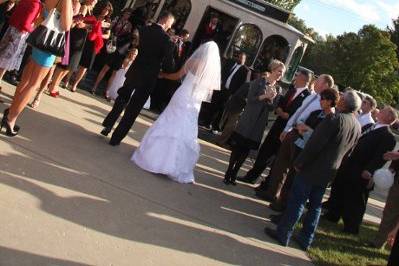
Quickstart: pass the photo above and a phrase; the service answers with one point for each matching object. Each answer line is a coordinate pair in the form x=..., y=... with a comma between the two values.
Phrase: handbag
x=111, y=45
x=49, y=36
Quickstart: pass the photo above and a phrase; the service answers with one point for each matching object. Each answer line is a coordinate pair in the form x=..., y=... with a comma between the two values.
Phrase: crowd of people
x=321, y=136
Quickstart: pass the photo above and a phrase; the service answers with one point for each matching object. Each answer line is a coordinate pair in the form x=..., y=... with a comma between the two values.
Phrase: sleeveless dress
x=170, y=146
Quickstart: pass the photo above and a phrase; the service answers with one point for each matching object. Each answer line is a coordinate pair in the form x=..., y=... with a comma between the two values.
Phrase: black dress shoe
x=263, y=195
x=246, y=179
x=105, y=131
x=273, y=234
x=226, y=181
x=275, y=219
x=303, y=247
x=277, y=207
x=114, y=143
x=328, y=217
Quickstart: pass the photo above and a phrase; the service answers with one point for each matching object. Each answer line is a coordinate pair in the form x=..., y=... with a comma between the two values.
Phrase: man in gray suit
x=317, y=166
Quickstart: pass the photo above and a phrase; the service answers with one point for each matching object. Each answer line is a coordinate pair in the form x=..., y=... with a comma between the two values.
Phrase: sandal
x=35, y=103
x=54, y=94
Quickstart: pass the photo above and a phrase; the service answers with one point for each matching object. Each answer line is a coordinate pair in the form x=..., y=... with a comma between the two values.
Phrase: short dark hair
x=166, y=15
x=184, y=32
x=307, y=74
x=330, y=95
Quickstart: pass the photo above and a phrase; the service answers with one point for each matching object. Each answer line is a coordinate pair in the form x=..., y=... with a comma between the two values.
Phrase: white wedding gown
x=171, y=146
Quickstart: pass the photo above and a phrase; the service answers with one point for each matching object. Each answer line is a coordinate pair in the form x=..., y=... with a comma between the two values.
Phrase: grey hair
x=352, y=101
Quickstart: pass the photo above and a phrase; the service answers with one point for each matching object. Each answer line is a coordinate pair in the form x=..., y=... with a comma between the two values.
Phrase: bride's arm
x=174, y=76
x=189, y=65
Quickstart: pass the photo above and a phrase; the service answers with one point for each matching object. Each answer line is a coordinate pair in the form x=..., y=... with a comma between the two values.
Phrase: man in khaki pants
x=391, y=211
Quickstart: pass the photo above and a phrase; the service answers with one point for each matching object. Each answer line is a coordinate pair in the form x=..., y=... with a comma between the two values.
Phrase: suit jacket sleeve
x=168, y=64
x=254, y=92
x=377, y=161
x=322, y=135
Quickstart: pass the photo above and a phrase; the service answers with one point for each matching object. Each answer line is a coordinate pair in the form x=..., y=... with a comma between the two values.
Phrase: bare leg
x=100, y=77
x=32, y=77
x=79, y=76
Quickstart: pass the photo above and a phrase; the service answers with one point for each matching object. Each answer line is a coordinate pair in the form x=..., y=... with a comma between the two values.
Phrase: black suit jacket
x=155, y=52
x=290, y=108
x=321, y=158
x=368, y=154
x=181, y=57
x=237, y=80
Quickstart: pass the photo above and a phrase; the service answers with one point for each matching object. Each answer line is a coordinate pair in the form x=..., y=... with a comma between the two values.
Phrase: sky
x=339, y=16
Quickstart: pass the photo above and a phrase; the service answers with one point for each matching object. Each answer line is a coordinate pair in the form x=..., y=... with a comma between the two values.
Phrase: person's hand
x=281, y=113
x=391, y=156
x=391, y=236
x=105, y=24
x=366, y=175
x=302, y=127
x=161, y=75
x=282, y=136
x=270, y=94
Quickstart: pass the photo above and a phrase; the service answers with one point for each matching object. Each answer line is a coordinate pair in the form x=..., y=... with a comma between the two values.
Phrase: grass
x=332, y=247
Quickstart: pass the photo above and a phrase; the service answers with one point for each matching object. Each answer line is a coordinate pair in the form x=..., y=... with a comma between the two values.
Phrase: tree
x=300, y=25
x=394, y=32
x=366, y=61
x=286, y=4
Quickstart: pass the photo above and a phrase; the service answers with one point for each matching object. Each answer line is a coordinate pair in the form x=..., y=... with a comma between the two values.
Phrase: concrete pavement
x=68, y=198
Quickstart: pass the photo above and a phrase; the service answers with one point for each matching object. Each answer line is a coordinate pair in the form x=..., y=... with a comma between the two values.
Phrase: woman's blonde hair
x=274, y=64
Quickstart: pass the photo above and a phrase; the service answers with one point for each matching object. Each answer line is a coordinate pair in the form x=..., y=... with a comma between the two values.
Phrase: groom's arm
x=168, y=64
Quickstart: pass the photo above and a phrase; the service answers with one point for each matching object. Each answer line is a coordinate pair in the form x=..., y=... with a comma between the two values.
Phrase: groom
x=155, y=51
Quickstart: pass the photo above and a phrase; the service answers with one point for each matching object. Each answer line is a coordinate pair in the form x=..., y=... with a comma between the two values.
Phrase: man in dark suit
x=316, y=166
x=155, y=51
x=234, y=74
x=183, y=48
x=354, y=180
x=287, y=106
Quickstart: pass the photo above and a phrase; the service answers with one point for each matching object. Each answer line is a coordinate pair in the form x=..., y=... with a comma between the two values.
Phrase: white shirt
x=235, y=68
x=365, y=119
x=310, y=104
x=299, y=91
x=378, y=125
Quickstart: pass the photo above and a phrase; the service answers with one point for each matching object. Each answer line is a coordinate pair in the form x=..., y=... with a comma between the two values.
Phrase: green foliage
x=366, y=61
x=286, y=4
x=300, y=25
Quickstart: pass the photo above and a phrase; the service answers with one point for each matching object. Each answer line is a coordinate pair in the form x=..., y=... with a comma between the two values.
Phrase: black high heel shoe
x=9, y=131
x=16, y=127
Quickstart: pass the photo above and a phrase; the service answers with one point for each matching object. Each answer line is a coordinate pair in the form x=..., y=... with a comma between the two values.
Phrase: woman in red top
x=94, y=41
x=13, y=44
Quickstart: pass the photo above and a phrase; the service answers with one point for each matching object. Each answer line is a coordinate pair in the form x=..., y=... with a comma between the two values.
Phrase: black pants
x=269, y=147
x=132, y=106
x=348, y=201
x=237, y=158
x=211, y=113
x=394, y=256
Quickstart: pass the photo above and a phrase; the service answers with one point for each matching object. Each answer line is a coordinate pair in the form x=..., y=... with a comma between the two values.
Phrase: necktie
x=371, y=128
x=290, y=97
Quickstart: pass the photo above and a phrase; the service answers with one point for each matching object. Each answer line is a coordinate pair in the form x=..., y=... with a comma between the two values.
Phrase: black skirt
x=237, y=139
x=88, y=55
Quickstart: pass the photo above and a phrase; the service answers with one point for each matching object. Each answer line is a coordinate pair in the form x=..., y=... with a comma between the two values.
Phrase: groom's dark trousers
x=132, y=106
x=155, y=51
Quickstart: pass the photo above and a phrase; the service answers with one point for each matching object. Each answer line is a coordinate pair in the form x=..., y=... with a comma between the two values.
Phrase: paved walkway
x=68, y=198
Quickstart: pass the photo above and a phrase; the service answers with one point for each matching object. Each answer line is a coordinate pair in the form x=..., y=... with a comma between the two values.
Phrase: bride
x=171, y=146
